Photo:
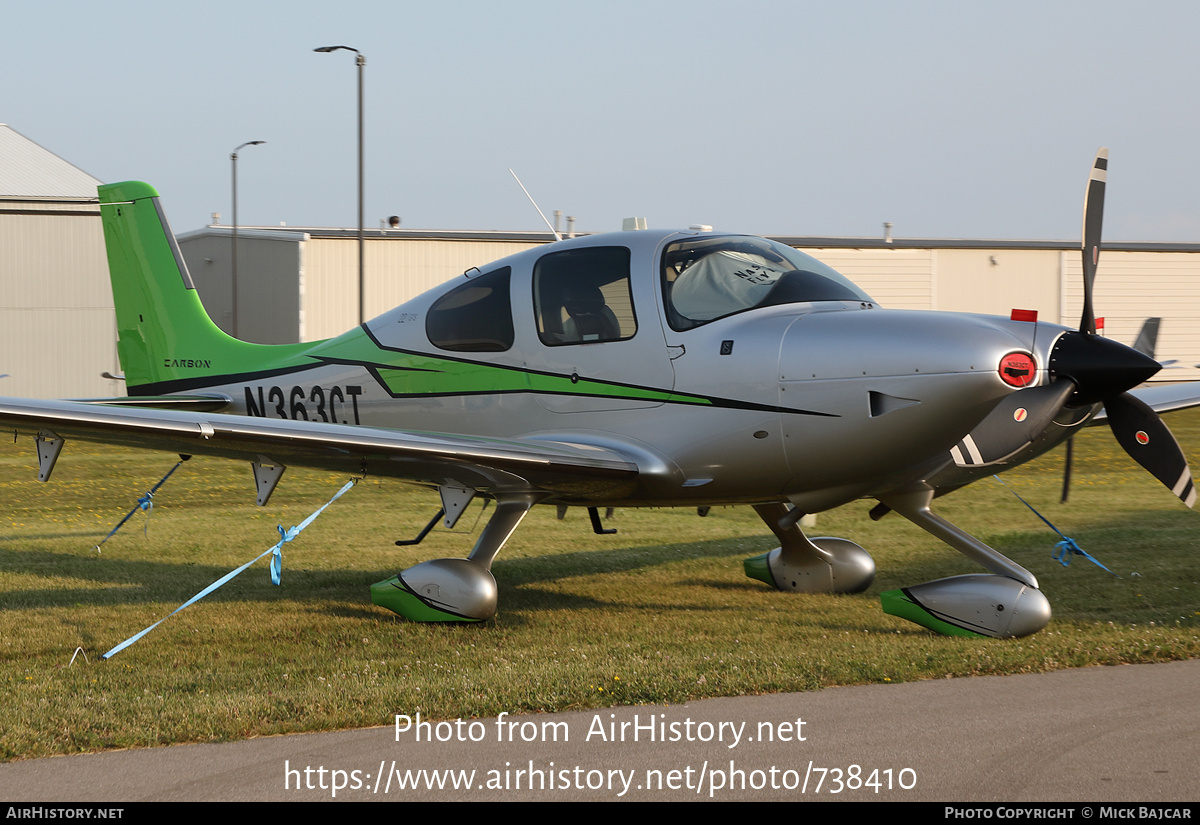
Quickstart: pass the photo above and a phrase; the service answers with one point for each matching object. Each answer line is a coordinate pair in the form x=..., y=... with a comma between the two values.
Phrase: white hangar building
x=57, y=329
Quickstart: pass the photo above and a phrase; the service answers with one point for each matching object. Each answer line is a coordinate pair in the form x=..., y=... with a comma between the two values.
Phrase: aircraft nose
x=881, y=392
x=1099, y=367
x=984, y=354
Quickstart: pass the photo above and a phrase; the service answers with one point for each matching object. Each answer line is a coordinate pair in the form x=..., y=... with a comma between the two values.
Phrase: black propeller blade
x=1148, y=441
x=1093, y=222
x=1103, y=370
x=1067, y=461
x=1093, y=205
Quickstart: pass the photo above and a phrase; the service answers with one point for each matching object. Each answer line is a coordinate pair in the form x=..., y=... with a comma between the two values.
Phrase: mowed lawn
x=658, y=612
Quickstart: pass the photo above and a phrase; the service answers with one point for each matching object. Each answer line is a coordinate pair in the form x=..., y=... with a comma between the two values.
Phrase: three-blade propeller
x=1103, y=370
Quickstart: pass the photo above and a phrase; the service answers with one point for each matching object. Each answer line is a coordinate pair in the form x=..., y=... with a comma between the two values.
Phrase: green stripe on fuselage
x=406, y=374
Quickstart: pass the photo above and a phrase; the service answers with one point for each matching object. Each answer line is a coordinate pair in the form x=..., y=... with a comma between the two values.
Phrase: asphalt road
x=1101, y=734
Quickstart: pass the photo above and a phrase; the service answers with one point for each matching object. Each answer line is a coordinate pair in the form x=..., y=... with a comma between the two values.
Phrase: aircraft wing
x=565, y=470
x=1162, y=398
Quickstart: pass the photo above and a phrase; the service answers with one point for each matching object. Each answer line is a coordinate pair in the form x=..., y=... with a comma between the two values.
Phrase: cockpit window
x=475, y=317
x=709, y=278
x=582, y=296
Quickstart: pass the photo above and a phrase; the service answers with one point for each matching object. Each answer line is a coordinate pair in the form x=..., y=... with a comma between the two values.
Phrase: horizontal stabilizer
x=211, y=402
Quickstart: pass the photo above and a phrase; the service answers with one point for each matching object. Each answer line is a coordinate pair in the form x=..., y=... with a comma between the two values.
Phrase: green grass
x=659, y=612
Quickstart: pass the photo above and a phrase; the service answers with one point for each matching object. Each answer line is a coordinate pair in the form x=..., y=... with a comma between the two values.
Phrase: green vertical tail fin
x=166, y=341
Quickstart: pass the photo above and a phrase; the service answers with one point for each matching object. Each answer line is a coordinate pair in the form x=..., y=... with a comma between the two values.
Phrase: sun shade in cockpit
x=712, y=278
x=721, y=282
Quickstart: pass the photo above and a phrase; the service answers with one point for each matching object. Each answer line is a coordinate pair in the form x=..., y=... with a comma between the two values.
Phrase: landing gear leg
x=1004, y=604
x=456, y=590
x=801, y=564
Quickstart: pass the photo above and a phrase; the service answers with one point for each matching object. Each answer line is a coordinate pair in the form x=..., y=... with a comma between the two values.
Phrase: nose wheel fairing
x=1005, y=604
x=979, y=604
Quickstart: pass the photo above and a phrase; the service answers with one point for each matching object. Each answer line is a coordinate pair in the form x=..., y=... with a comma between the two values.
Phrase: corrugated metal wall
x=896, y=278
x=1133, y=286
x=57, y=328
x=997, y=281
x=270, y=281
x=330, y=287
x=397, y=270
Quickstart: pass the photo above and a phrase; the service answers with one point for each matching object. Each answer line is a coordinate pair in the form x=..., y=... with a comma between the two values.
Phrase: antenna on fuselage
x=549, y=226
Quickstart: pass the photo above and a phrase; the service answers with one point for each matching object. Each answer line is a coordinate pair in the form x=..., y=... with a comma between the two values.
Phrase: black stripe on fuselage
x=209, y=382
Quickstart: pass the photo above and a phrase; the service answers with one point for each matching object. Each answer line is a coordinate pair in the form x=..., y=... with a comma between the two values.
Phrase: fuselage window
x=475, y=317
x=582, y=296
x=710, y=278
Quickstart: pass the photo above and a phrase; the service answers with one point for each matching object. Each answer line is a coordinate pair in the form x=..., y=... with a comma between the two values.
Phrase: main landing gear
x=456, y=590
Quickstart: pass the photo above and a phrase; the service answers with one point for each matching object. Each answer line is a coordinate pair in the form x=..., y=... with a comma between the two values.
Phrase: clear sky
x=949, y=119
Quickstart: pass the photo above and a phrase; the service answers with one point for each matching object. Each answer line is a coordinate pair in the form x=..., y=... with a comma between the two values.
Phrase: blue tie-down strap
x=275, y=552
x=287, y=535
x=1067, y=547
x=145, y=503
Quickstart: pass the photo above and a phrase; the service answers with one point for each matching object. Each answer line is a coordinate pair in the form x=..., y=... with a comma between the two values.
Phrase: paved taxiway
x=1100, y=734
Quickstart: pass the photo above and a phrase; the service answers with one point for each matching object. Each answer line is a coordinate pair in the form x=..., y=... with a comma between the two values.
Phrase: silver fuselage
x=817, y=402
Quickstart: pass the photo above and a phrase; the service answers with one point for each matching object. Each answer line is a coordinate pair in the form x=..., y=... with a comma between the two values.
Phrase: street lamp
x=233, y=163
x=359, y=61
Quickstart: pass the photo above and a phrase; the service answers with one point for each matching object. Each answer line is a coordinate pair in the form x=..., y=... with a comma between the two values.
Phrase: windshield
x=709, y=278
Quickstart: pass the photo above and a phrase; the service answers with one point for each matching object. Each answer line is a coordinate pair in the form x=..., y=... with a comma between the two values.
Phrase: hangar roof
x=800, y=241
x=30, y=171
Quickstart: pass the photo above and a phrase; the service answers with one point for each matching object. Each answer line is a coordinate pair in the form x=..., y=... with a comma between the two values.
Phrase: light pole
x=233, y=163
x=360, y=60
